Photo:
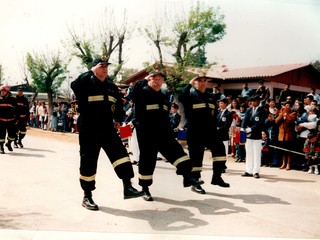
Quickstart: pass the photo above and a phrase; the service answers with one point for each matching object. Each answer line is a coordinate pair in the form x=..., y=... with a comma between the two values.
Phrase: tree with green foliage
x=109, y=38
x=47, y=71
x=203, y=25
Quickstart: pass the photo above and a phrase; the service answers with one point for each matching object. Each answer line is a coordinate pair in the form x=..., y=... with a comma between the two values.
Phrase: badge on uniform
x=223, y=119
x=256, y=119
x=113, y=108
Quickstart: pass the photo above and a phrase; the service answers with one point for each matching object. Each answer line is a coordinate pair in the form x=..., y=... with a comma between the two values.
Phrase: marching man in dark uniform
x=22, y=111
x=200, y=113
x=154, y=133
x=7, y=118
x=101, y=111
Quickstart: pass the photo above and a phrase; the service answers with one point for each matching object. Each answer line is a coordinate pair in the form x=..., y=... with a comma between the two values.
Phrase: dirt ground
x=67, y=137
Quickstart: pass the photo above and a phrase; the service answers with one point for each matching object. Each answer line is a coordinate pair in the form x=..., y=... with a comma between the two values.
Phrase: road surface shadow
x=253, y=198
x=173, y=219
x=26, y=155
x=208, y=206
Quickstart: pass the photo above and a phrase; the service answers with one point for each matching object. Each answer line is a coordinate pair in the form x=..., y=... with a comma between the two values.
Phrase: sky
x=258, y=33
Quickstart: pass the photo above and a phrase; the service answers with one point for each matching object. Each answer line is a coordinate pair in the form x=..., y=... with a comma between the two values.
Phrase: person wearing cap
x=22, y=111
x=101, y=111
x=253, y=124
x=263, y=92
x=154, y=134
x=224, y=120
x=200, y=113
x=7, y=118
x=217, y=94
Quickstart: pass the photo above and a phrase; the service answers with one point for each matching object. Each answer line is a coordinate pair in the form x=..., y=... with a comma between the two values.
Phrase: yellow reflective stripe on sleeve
x=211, y=106
x=165, y=107
x=112, y=99
x=95, y=98
x=196, y=169
x=152, y=107
x=120, y=161
x=88, y=179
x=145, y=177
x=198, y=105
x=219, y=159
x=180, y=160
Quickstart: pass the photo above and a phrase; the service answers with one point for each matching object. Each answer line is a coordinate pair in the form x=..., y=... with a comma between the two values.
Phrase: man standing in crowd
x=175, y=118
x=315, y=95
x=224, y=120
x=7, y=118
x=200, y=114
x=246, y=91
x=154, y=133
x=101, y=111
x=22, y=112
x=263, y=92
x=286, y=92
x=252, y=124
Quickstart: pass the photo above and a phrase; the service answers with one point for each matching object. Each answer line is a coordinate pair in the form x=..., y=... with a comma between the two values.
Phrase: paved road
x=41, y=199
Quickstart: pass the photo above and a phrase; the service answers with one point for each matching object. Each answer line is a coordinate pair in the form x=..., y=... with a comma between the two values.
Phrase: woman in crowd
x=286, y=121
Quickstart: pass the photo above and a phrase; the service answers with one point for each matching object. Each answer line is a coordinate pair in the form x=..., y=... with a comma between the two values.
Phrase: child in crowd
x=239, y=137
x=312, y=151
x=75, y=122
x=265, y=156
x=44, y=119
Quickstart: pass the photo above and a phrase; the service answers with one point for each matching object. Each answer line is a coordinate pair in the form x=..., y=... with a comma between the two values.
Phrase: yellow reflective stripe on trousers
x=95, y=98
x=120, y=161
x=145, y=177
x=88, y=179
x=23, y=133
x=211, y=106
x=180, y=160
x=112, y=99
x=196, y=169
x=152, y=107
x=219, y=159
x=198, y=105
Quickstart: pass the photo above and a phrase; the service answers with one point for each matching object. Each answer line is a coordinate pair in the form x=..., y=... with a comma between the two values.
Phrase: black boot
x=198, y=189
x=2, y=149
x=8, y=145
x=15, y=145
x=188, y=181
x=88, y=202
x=129, y=191
x=217, y=180
x=20, y=144
x=147, y=195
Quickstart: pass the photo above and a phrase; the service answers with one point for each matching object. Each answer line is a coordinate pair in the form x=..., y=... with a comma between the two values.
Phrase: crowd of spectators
x=289, y=125
x=62, y=119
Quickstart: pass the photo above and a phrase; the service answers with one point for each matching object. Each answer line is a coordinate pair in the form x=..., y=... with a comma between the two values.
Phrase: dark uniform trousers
x=22, y=116
x=7, y=126
x=198, y=141
x=165, y=143
x=90, y=144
